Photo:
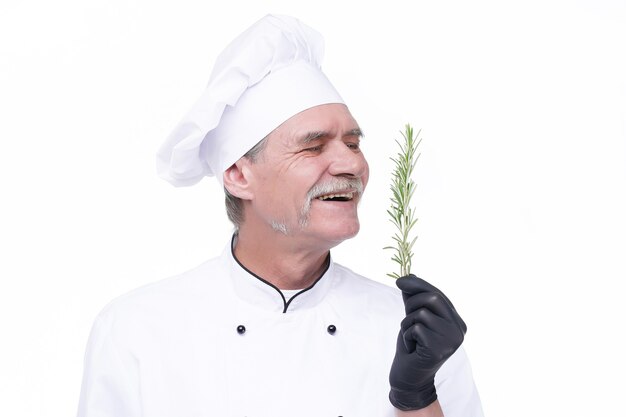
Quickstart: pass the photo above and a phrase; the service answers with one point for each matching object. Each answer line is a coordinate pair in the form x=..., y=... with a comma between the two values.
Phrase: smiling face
x=309, y=179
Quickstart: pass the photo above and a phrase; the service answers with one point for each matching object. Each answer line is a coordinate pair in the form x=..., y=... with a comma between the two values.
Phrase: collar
x=261, y=293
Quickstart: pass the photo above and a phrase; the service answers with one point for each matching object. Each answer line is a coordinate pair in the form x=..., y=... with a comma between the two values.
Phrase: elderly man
x=273, y=327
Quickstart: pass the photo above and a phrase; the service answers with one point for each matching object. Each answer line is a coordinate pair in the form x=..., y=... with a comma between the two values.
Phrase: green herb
x=401, y=214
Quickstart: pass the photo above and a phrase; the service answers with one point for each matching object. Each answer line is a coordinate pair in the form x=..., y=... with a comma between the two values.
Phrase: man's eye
x=313, y=149
x=353, y=145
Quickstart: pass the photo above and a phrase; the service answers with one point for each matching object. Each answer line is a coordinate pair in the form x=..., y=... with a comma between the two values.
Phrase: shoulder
x=368, y=293
x=166, y=298
x=355, y=280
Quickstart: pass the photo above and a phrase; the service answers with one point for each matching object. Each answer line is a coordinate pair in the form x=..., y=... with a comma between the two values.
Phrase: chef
x=274, y=327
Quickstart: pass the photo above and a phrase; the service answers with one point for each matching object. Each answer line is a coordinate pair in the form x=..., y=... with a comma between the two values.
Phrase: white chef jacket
x=220, y=341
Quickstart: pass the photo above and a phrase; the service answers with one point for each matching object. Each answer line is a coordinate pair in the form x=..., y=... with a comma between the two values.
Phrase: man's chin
x=338, y=235
x=331, y=233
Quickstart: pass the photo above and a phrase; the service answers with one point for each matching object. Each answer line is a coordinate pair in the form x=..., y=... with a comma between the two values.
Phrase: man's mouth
x=336, y=197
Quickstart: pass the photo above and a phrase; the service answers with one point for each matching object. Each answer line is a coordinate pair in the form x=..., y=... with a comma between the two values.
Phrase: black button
x=241, y=329
x=331, y=329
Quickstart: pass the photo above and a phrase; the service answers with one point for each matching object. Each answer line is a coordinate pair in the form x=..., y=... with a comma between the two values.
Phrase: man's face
x=310, y=177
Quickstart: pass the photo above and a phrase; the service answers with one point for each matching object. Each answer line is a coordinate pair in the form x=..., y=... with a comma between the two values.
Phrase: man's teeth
x=347, y=196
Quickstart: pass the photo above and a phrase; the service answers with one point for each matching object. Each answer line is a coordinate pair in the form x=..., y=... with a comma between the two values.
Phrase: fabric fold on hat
x=268, y=74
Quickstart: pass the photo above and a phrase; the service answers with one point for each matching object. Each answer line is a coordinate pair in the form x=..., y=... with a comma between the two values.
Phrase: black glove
x=431, y=332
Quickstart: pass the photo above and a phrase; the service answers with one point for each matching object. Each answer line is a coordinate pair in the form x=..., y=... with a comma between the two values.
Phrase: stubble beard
x=279, y=227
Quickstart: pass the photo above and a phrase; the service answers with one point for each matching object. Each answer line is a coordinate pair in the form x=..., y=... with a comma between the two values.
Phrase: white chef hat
x=266, y=75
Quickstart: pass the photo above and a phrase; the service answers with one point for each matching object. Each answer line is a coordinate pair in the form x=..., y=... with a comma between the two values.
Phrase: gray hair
x=234, y=205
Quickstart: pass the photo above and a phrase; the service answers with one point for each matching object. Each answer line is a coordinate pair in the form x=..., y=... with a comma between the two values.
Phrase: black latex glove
x=431, y=332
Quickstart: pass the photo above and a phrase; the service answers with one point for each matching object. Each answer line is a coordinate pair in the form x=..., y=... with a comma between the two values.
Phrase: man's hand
x=430, y=333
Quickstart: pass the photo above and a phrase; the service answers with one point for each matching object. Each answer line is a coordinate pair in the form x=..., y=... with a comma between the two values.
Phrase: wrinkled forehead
x=319, y=122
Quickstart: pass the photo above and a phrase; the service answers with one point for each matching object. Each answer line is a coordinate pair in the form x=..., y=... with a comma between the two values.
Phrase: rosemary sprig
x=401, y=213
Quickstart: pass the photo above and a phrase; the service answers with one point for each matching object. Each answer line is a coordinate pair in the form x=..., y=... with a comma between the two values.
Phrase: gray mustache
x=338, y=184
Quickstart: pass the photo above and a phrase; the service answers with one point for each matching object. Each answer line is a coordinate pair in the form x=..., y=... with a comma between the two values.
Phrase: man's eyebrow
x=317, y=134
x=311, y=136
x=354, y=132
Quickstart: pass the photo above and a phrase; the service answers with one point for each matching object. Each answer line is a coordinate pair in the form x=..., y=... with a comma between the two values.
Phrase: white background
x=521, y=184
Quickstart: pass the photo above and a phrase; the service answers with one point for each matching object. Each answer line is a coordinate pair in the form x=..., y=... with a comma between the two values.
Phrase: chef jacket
x=220, y=341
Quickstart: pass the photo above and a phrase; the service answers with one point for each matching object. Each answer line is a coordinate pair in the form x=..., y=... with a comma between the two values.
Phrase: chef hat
x=266, y=75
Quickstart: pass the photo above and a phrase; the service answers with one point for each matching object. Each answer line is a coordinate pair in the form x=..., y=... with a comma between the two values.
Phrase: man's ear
x=237, y=179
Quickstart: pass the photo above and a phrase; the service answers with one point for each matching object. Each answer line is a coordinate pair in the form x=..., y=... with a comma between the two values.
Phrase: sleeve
x=110, y=386
x=455, y=386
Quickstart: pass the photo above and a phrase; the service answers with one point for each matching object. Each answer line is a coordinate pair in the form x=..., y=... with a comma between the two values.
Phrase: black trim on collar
x=285, y=302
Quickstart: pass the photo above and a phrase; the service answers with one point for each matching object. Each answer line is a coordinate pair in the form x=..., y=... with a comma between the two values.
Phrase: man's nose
x=347, y=161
